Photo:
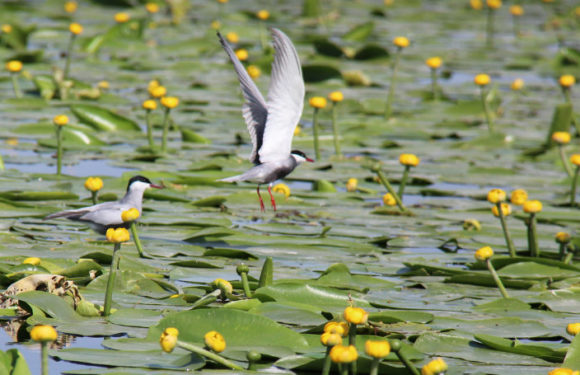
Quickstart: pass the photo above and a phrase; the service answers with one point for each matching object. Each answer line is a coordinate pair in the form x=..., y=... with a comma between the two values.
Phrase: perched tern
x=107, y=215
x=271, y=123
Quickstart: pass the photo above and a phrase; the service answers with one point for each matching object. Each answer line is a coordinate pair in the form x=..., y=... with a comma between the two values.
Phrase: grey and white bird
x=271, y=123
x=103, y=216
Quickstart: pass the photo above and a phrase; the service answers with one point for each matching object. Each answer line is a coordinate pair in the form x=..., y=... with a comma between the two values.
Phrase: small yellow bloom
x=150, y=105
x=216, y=25
x=60, y=120
x=157, y=91
x=476, y=4
x=518, y=197
x=153, y=84
x=6, y=28
x=35, y=261
x=317, y=102
x=215, y=341
x=70, y=6
x=351, y=184
x=337, y=327
x=242, y=54
x=377, y=349
x=409, y=160
x=297, y=130
x=401, y=42
x=434, y=62
x=532, y=207
x=117, y=235
x=254, y=71
x=168, y=339
x=14, y=66
x=131, y=214
x=355, y=315
x=152, y=8
x=567, y=80
x=506, y=210
x=573, y=328
x=336, y=96
x=481, y=79
x=232, y=37
x=484, y=253
x=282, y=188
x=330, y=339
x=496, y=195
x=169, y=102
x=563, y=237
x=75, y=28
x=43, y=333
x=516, y=10
x=575, y=159
x=103, y=85
x=122, y=17
x=389, y=200
x=263, y=14
x=563, y=371
x=561, y=137
x=435, y=367
x=93, y=184
x=343, y=354
x=223, y=285
x=493, y=4
x=517, y=84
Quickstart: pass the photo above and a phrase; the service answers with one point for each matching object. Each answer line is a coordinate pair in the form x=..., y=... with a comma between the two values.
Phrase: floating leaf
x=360, y=32
x=102, y=119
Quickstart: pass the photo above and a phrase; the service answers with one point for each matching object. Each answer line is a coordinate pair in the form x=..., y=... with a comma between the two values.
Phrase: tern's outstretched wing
x=285, y=100
x=254, y=109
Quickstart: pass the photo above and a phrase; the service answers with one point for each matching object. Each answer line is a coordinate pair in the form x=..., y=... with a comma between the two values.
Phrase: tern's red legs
x=262, y=208
x=272, y=197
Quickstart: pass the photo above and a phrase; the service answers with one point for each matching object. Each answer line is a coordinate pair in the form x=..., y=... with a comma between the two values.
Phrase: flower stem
x=562, y=252
x=486, y=110
x=137, y=241
x=506, y=233
x=327, y=362
x=374, y=366
x=352, y=341
x=335, y=131
x=434, y=85
x=404, y=180
x=564, y=160
x=532, y=237
x=58, y=150
x=343, y=368
x=388, y=186
x=165, y=130
x=489, y=28
x=207, y=299
x=111, y=280
x=315, y=129
x=68, y=54
x=16, y=85
x=407, y=363
x=496, y=279
x=246, y=285
x=206, y=353
x=568, y=258
x=149, y=129
x=94, y=196
x=44, y=357
x=395, y=68
x=573, y=188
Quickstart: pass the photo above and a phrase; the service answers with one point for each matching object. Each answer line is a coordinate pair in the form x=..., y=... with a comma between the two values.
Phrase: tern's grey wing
x=285, y=100
x=107, y=215
x=254, y=109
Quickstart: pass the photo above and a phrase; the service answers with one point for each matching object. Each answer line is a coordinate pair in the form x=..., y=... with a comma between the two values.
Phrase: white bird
x=103, y=216
x=271, y=123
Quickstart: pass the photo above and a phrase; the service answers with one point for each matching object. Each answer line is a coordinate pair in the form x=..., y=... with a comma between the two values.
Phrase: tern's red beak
x=310, y=160
x=157, y=186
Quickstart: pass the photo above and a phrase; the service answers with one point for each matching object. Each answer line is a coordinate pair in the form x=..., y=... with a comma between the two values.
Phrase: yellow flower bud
x=122, y=17
x=516, y=10
x=484, y=253
x=157, y=91
x=215, y=341
x=518, y=197
x=330, y=339
x=151, y=8
x=434, y=62
x=169, y=102
x=14, y=66
x=317, y=102
x=496, y=195
x=351, y=184
x=168, y=339
x=532, y=207
x=60, y=120
x=506, y=210
x=75, y=28
x=563, y=237
x=263, y=14
x=435, y=367
x=389, y=200
x=336, y=96
x=355, y=315
x=561, y=137
x=232, y=37
x=493, y=4
x=93, y=184
x=377, y=349
x=401, y=42
x=517, y=84
x=476, y=4
x=575, y=159
x=103, y=85
x=150, y=105
x=242, y=54
x=43, y=333
x=254, y=71
x=131, y=214
x=409, y=159
x=482, y=79
x=70, y=6
x=6, y=28
x=35, y=261
x=282, y=188
x=343, y=354
x=337, y=327
x=117, y=235
x=223, y=285
x=567, y=81
x=573, y=328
